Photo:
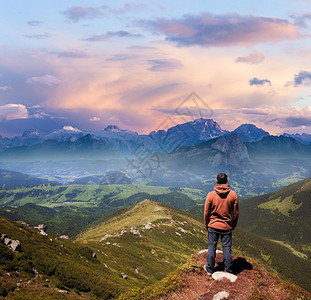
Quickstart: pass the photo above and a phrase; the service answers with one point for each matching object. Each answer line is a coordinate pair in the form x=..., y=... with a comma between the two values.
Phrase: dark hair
x=222, y=178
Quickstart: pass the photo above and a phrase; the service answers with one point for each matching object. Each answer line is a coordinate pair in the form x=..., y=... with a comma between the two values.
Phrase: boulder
x=66, y=237
x=134, y=230
x=148, y=225
x=124, y=276
x=15, y=245
x=219, y=275
x=3, y=236
x=221, y=295
x=7, y=241
x=41, y=227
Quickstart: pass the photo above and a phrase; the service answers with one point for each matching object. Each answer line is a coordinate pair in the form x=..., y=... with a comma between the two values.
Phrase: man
x=221, y=216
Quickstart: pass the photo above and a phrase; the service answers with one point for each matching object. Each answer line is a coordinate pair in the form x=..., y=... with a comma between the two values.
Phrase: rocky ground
x=252, y=283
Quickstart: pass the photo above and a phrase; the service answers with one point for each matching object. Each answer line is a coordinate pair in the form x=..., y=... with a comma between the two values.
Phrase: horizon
x=71, y=128
x=135, y=64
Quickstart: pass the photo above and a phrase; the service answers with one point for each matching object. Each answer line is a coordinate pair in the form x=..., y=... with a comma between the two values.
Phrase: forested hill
x=283, y=215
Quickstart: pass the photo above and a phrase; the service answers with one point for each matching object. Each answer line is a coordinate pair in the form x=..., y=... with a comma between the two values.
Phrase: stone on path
x=220, y=275
x=221, y=295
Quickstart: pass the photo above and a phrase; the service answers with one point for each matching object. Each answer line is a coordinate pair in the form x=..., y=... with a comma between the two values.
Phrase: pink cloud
x=13, y=111
x=253, y=58
x=209, y=30
x=45, y=80
x=4, y=88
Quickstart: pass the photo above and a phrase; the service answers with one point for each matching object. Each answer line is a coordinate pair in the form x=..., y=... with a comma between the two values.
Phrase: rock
x=124, y=276
x=41, y=227
x=15, y=245
x=137, y=270
x=7, y=241
x=182, y=230
x=94, y=255
x=122, y=232
x=105, y=265
x=178, y=233
x=206, y=250
x=66, y=237
x=63, y=291
x=148, y=225
x=47, y=280
x=116, y=244
x=3, y=236
x=221, y=295
x=134, y=230
x=220, y=275
x=43, y=232
x=25, y=224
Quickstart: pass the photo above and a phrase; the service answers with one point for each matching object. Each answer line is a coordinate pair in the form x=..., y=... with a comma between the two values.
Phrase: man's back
x=221, y=208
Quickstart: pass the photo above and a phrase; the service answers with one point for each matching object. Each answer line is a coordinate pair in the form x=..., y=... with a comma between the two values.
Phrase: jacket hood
x=222, y=189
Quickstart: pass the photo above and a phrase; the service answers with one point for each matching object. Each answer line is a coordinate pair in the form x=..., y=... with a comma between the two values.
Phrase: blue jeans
x=226, y=242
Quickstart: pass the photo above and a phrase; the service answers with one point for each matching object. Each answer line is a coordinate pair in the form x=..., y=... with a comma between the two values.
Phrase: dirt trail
x=252, y=283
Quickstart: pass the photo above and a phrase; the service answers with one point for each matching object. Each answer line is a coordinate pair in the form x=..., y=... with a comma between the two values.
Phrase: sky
x=149, y=65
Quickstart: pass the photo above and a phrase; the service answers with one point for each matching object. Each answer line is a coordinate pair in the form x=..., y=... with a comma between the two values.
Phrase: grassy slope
x=145, y=259
x=66, y=264
x=283, y=215
x=86, y=195
x=276, y=257
x=68, y=209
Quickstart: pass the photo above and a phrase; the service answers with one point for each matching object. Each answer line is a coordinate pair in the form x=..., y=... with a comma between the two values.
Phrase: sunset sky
x=88, y=64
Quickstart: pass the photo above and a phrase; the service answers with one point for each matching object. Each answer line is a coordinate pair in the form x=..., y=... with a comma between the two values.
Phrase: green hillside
x=283, y=215
x=68, y=209
x=164, y=238
x=112, y=195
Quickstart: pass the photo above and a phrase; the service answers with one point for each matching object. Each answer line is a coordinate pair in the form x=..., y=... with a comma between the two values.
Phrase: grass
x=294, y=251
x=86, y=195
x=283, y=206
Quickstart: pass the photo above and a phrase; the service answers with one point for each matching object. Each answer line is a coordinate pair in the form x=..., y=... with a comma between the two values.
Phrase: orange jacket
x=221, y=208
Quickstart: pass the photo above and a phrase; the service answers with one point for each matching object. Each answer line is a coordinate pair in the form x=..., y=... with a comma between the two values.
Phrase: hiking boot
x=208, y=273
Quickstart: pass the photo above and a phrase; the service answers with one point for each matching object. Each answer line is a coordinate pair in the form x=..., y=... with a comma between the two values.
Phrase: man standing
x=221, y=216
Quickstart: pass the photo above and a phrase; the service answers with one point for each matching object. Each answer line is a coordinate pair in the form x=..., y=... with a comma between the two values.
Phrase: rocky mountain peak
x=32, y=133
x=112, y=128
x=250, y=132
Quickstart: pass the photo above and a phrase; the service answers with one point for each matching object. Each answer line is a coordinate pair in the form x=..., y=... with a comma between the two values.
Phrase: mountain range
x=185, y=134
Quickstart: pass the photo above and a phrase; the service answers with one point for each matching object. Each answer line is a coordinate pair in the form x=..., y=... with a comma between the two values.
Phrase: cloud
x=71, y=128
x=252, y=59
x=34, y=23
x=94, y=119
x=45, y=80
x=122, y=57
x=13, y=111
x=71, y=54
x=164, y=65
x=38, y=36
x=208, y=30
x=111, y=34
x=4, y=88
x=303, y=78
x=300, y=20
x=128, y=7
x=257, y=81
x=77, y=13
